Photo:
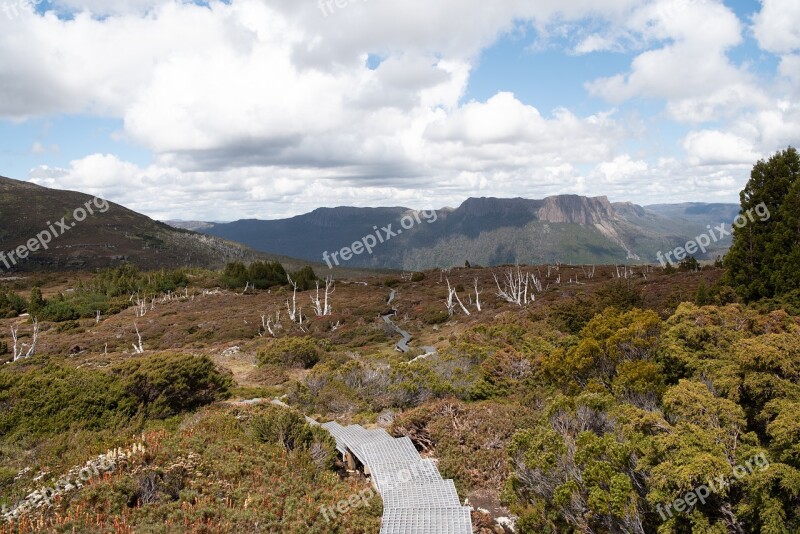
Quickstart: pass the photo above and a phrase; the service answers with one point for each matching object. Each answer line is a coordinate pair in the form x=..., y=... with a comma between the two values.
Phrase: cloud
x=711, y=147
x=777, y=26
x=691, y=70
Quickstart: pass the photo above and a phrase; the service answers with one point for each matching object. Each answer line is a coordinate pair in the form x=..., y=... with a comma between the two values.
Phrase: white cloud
x=691, y=70
x=621, y=170
x=710, y=147
x=777, y=26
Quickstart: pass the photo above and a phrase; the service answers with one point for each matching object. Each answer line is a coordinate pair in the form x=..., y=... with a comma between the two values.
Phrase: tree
x=37, y=302
x=764, y=260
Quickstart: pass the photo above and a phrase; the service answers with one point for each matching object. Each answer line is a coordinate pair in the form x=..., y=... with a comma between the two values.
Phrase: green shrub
x=11, y=304
x=288, y=429
x=297, y=352
x=435, y=316
x=170, y=383
x=58, y=311
x=45, y=400
x=418, y=277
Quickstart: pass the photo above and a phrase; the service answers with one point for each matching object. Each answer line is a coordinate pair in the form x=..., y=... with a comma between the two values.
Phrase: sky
x=266, y=109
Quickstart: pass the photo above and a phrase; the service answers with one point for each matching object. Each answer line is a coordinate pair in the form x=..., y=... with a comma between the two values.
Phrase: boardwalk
x=416, y=500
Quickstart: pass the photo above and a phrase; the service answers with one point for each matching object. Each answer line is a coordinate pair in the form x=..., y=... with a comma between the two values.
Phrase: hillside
x=109, y=236
x=487, y=231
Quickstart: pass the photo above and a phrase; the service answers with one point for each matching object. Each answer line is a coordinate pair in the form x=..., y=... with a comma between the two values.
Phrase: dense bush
x=169, y=383
x=301, y=352
x=259, y=274
x=644, y=410
x=11, y=304
x=46, y=398
x=289, y=429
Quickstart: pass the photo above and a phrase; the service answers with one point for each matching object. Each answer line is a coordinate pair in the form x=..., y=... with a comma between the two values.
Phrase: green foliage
x=573, y=315
x=289, y=429
x=169, y=383
x=435, y=315
x=764, y=260
x=127, y=279
x=259, y=274
x=305, y=278
x=644, y=412
x=296, y=352
x=418, y=277
x=36, y=302
x=11, y=304
x=689, y=264
x=702, y=297
x=622, y=293
x=45, y=398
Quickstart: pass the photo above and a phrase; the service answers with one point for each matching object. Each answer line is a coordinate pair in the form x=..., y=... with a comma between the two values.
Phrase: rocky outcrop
x=574, y=209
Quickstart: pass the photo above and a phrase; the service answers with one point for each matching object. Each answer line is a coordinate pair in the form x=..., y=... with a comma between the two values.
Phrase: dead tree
x=322, y=309
x=452, y=294
x=138, y=349
x=477, y=295
x=515, y=286
x=293, y=310
x=267, y=324
x=19, y=348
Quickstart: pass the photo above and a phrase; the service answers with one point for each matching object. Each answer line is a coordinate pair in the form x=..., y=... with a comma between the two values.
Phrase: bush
x=11, y=304
x=170, y=383
x=262, y=275
x=46, y=400
x=418, y=277
x=288, y=429
x=435, y=316
x=689, y=264
x=296, y=352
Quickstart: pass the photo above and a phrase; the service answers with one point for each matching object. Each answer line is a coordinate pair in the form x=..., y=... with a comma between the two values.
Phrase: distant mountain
x=110, y=236
x=489, y=231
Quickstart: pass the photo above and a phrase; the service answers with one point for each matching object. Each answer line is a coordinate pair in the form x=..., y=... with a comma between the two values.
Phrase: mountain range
x=483, y=231
x=487, y=231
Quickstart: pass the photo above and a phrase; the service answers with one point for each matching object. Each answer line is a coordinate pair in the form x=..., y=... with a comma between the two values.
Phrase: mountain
x=70, y=230
x=488, y=231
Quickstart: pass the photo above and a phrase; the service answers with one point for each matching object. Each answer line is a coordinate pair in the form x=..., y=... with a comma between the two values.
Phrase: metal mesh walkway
x=416, y=500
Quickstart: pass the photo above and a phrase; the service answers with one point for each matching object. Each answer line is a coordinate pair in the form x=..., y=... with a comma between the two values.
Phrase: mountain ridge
x=490, y=230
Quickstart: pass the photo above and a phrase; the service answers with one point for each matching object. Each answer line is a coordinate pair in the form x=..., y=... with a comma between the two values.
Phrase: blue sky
x=254, y=108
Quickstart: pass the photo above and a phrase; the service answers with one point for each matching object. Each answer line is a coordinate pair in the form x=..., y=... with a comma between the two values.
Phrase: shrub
x=11, y=304
x=288, y=429
x=297, y=352
x=689, y=264
x=170, y=383
x=418, y=277
x=435, y=316
x=45, y=400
